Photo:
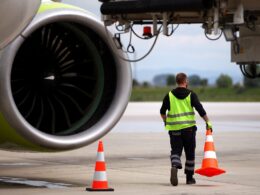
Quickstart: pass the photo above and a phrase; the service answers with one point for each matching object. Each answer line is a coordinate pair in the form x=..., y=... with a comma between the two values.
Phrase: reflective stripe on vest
x=181, y=114
x=178, y=115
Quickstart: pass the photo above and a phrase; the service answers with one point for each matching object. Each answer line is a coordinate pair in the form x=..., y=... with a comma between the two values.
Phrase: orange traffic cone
x=100, y=177
x=209, y=166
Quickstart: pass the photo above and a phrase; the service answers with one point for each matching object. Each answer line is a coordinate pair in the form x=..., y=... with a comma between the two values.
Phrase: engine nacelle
x=14, y=21
x=63, y=84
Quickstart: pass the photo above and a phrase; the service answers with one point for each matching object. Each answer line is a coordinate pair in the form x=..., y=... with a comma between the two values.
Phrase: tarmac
x=138, y=160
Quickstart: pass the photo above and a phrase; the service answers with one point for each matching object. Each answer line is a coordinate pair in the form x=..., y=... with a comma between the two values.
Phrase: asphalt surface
x=138, y=160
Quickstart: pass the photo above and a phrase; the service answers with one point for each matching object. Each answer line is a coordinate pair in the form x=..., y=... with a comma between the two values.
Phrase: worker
x=181, y=125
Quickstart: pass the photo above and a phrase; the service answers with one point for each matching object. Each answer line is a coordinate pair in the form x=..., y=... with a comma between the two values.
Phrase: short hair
x=181, y=78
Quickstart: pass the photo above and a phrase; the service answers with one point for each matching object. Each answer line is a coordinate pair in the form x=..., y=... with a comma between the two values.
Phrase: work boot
x=190, y=179
x=174, y=177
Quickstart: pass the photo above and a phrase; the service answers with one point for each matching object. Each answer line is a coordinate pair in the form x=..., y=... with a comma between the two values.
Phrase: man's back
x=182, y=93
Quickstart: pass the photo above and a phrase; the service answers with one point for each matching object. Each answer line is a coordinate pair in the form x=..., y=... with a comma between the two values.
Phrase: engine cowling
x=63, y=84
x=13, y=21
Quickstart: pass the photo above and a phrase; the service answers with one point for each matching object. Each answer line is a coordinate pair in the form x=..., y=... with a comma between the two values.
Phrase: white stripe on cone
x=210, y=154
x=100, y=157
x=100, y=176
x=209, y=138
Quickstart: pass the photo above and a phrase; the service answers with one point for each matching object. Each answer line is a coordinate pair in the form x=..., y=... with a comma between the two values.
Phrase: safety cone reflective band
x=100, y=177
x=209, y=166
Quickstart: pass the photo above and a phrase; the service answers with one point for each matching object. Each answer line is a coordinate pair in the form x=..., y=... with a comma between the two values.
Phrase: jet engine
x=63, y=84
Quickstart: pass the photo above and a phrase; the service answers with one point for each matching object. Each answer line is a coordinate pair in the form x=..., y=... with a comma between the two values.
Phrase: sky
x=187, y=50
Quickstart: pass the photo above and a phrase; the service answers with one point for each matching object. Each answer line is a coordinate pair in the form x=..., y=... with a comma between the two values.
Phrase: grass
x=206, y=94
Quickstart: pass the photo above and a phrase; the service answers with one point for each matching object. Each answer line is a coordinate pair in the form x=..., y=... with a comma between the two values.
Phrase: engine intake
x=63, y=85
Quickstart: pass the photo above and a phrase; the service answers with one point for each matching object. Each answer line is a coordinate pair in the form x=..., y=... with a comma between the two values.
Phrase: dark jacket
x=182, y=93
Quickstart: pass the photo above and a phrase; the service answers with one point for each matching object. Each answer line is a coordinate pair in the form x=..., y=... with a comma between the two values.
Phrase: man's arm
x=206, y=118
x=163, y=116
x=165, y=106
x=208, y=123
x=198, y=106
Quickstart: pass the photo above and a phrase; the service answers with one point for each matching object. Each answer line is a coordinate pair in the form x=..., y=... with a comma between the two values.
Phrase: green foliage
x=171, y=80
x=252, y=82
x=146, y=84
x=194, y=80
x=149, y=94
x=204, y=82
x=224, y=81
x=206, y=94
x=135, y=83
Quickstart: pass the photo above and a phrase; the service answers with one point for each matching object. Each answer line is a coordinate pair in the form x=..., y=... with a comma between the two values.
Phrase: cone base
x=106, y=189
x=210, y=171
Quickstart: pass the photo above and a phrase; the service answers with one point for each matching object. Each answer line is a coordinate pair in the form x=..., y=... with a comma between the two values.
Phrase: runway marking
x=34, y=183
x=137, y=158
x=18, y=164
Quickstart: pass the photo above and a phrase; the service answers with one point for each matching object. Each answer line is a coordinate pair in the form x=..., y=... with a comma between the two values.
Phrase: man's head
x=182, y=80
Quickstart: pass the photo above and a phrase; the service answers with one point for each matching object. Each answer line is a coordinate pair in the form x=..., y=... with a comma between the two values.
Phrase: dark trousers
x=185, y=138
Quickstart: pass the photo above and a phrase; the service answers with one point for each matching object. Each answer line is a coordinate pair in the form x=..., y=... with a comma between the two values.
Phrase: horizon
x=211, y=81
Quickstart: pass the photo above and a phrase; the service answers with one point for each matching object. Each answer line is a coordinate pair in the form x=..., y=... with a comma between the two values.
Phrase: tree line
x=223, y=81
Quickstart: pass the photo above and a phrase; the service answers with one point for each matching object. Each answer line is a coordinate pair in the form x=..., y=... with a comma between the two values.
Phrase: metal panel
x=14, y=17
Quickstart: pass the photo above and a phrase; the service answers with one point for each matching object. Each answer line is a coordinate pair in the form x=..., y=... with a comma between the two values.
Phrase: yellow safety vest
x=181, y=114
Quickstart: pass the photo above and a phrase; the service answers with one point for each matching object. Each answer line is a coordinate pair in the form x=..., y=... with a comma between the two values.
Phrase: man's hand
x=209, y=125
